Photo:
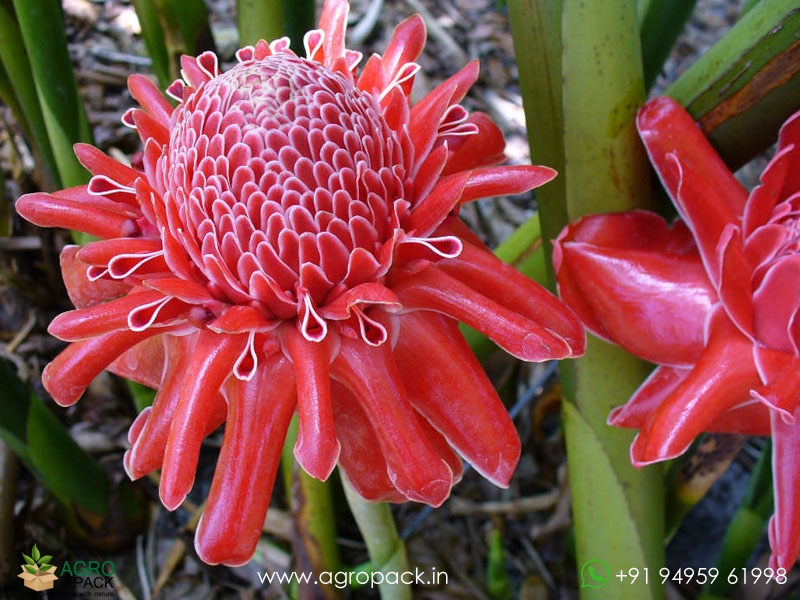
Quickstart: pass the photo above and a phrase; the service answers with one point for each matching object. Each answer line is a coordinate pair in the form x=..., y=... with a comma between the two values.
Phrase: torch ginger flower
x=290, y=242
x=714, y=299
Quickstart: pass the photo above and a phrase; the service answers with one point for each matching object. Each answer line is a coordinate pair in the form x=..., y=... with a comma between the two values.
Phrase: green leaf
x=31, y=570
x=41, y=25
x=47, y=449
x=298, y=18
x=35, y=553
x=744, y=88
x=165, y=69
x=25, y=101
x=660, y=22
x=45, y=559
x=44, y=566
x=28, y=559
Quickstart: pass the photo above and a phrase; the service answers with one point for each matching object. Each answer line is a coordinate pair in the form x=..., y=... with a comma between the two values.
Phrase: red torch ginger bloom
x=714, y=299
x=290, y=243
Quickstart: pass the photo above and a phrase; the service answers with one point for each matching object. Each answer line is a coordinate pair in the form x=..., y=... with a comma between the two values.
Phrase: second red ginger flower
x=713, y=299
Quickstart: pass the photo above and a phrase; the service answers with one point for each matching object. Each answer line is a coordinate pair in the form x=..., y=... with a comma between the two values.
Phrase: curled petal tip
x=433, y=493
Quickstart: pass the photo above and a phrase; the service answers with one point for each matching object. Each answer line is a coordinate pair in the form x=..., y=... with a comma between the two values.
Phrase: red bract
x=712, y=298
x=290, y=242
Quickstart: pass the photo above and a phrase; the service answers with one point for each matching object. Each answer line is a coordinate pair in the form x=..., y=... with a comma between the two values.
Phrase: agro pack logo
x=37, y=572
x=90, y=575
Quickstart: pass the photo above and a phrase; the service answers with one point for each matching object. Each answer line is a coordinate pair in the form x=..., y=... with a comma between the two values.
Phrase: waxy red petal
x=748, y=418
x=150, y=98
x=634, y=280
x=667, y=130
x=317, y=448
x=784, y=527
x=258, y=418
x=451, y=390
x=49, y=210
x=212, y=364
x=82, y=291
x=71, y=372
x=433, y=289
x=481, y=270
x=721, y=379
x=415, y=468
x=362, y=457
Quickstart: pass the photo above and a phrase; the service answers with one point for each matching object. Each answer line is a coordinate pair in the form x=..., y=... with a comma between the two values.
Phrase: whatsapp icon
x=595, y=573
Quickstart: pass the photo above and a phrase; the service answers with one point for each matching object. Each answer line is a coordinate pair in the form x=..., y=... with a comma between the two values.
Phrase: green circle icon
x=595, y=573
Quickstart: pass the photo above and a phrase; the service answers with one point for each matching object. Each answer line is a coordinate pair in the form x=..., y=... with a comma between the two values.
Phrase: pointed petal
x=408, y=40
x=149, y=433
x=317, y=448
x=735, y=288
x=784, y=527
x=49, y=210
x=433, y=209
x=505, y=181
x=258, y=418
x=776, y=306
x=668, y=130
x=481, y=270
x=71, y=372
x=100, y=319
x=99, y=163
x=780, y=371
x=433, y=289
x=212, y=364
x=747, y=418
x=450, y=389
x=333, y=21
x=721, y=379
x=415, y=468
x=149, y=97
x=485, y=147
x=362, y=458
x=81, y=290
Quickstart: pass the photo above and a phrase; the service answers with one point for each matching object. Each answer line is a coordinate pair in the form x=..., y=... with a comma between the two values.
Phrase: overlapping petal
x=286, y=243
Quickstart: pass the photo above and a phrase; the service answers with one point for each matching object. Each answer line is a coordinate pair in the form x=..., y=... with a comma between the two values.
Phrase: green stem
x=746, y=528
x=260, y=19
x=386, y=550
x=580, y=72
x=312, y=505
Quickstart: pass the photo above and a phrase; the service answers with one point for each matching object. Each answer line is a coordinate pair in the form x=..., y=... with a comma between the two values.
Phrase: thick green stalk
x=260, y=19
x=387, y=552
x=312, y=505
x=580, y=71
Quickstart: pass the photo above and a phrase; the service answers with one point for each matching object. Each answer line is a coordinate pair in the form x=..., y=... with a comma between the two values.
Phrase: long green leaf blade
x=41, y=24
x=25, y=101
